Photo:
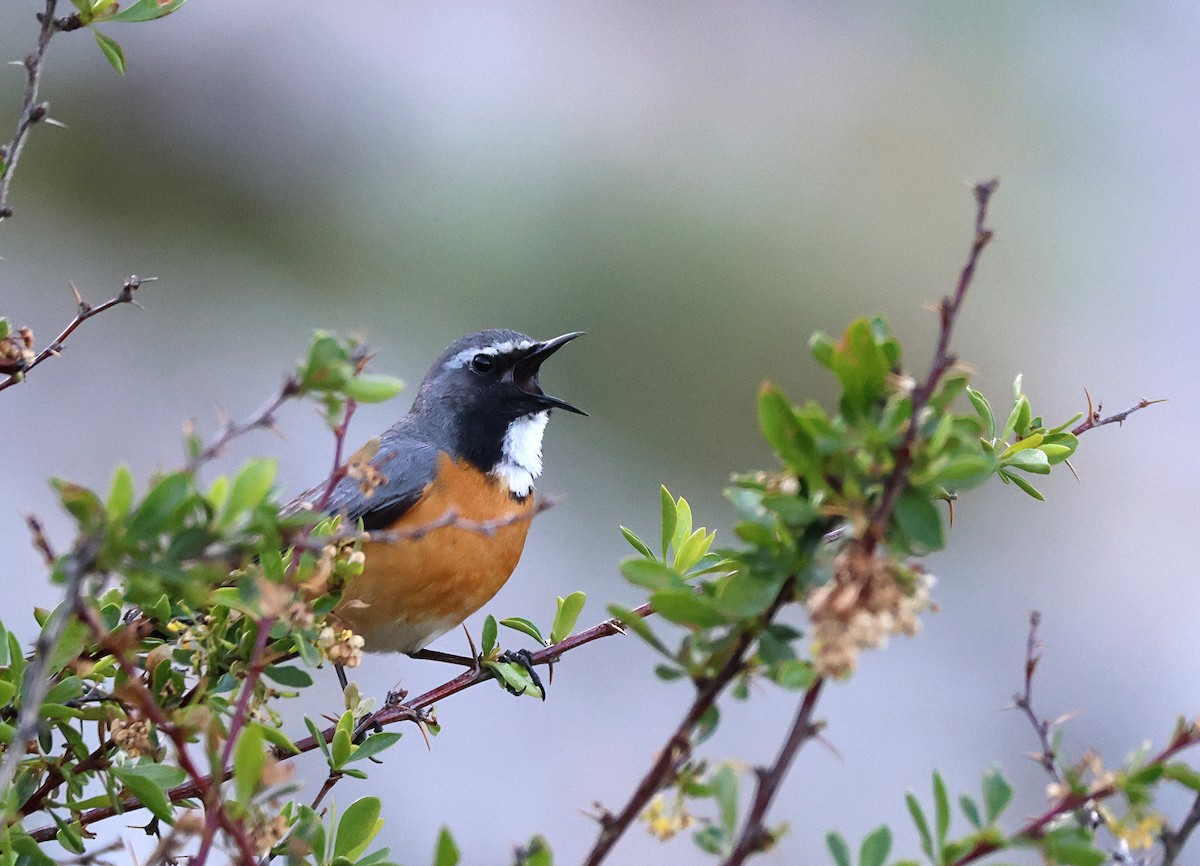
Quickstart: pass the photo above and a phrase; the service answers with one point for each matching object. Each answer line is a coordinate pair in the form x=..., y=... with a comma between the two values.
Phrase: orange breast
x=417, y=589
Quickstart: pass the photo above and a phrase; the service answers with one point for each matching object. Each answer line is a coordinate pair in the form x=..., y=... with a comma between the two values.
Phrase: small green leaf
x=489, y=635
x=112, y=50
x=838, y=849
x=567, y=615
x=971, y=810
x=683, y=525
x=1072, y=846
x=516, y=678
x=684, y=607
x=668, y=519
x=636, y=543
x=941, y=804
x=446, y=853
x=360, y=822
x=250, y=489
x=1030, y=460
x=296, y=678
x=876, y=847
x=919, y=521
x=374, y=744
x=692, y=549
x=249, y=759
x=1023, y=484
x=519, y=623
x=1179, y=772
x=373, y=388
x=724, y=784
x=340, y=749
x=651, y=574
x=120, y=493
x=147, y=10
x=147, y=792
x=918, y=816
x=997, y=794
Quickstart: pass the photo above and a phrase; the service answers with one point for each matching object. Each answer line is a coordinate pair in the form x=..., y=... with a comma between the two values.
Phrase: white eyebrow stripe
x=463, y=357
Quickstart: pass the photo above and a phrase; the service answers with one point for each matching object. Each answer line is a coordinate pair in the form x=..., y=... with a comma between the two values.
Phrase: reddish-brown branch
x=84, y=312
x=196, y=788
x=679, y=745
x=1048, y=758
x=32, y=112
x=1174, y=840
x=263, y=419
x=1093, y=419
x=754, y=835
x=943, y=360
x=1185, y=737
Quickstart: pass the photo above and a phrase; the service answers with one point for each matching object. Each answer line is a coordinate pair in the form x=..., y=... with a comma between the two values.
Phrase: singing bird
x=467, y=453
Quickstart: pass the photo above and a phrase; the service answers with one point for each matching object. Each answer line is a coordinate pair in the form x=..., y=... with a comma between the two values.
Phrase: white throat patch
x=521, y=453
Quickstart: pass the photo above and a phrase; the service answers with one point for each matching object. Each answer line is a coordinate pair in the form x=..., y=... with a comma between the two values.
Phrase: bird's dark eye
x=481, y=363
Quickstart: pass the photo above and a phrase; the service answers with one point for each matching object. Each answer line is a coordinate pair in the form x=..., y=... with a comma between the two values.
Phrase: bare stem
x=84, y=312
x=1094, y=420
x=754, y=836
x=943, y=360
x=1048, y=758
x=263, y=419
x=31, y=110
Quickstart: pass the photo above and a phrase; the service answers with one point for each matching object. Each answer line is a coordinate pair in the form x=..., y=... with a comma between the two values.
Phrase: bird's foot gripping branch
x=193, y=611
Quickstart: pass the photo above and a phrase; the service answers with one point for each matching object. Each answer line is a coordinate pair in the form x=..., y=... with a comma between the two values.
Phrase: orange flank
x=415, y=590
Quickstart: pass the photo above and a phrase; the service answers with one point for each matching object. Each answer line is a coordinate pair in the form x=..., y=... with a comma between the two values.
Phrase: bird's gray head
x=483, y=399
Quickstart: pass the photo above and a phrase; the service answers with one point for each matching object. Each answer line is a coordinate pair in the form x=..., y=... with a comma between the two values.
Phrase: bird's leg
x=525, y=660
x=341, y=675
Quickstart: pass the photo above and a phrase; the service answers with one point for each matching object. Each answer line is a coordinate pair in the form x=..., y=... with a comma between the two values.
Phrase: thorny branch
x=407, y=711
x=1047, y=758
x=1093, y=419
x=17, y=368
x=263, y=419
x=32, y=111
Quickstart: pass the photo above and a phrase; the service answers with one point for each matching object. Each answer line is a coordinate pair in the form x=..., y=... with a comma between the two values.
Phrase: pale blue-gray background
x=698, y=186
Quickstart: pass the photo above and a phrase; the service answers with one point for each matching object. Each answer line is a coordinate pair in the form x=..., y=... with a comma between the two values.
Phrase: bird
x=466, y=454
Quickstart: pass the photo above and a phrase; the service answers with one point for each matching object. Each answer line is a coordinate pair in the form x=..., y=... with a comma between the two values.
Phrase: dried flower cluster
x=868, y=600
x=664, y=823
x=132, y=736
x=341, y=646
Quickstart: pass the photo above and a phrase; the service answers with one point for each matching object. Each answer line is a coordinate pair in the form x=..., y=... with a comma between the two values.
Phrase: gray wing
x=405, y=467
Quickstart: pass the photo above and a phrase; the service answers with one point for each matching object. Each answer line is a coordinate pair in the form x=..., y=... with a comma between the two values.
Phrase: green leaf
x=669, y=515
x=1072, y=847
x=374, y=744
x=918, y=816
x=120, y=493
x=638, y=626
x=636, y=543
x=876, y=847
x=919, y=521
x=147, y=10
x=111, y=49
x=296, y=678
x=1179, y=772
x=373, y=388
x=966, y=470
x=971, y=810
x=1030, y=460
x=684, y=607
x=168, y=495
x=249, y=759
x=489, y=635
x=279, y=739
x=446, y=853
x=1023, y=484
x=517, y=678
x=862, y=365
x=683, y=525
x=838, y=849
x=147, y=792
x=692, y=549
x=250, y=489
x=519, y=623
x=997, y=794
x=80, y=503
x=724, y=784
x=1018, y=419
x=941, y=804
x=359, y=824
x=651, y=574
x=567, y=615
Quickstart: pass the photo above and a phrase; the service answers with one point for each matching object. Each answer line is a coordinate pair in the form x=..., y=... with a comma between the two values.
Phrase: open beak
x=525, y=373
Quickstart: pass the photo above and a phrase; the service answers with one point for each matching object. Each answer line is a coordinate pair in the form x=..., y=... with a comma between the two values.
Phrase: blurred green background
x=698, y=186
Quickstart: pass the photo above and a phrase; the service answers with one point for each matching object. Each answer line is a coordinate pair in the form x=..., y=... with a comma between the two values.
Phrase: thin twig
x=679, y=745
x=1174, y=840
x=263, y=419
x=754, y=836
x=31, y=110
x=1048, y=758
x=196, y=788
x=84, y=312
x=76, y=567
x=1093, y=419
x=943, y=360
